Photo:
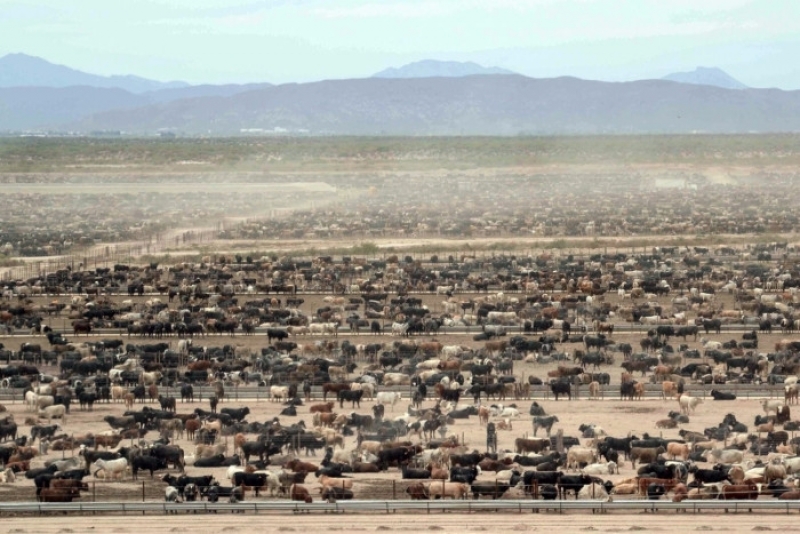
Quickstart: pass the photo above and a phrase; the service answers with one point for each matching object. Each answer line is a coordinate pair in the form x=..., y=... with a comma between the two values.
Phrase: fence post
x=142, y=494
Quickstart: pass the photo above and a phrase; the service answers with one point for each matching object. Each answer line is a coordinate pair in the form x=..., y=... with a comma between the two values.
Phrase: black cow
x=348, y=395
x=616, y=444
x=146, y=463
x=276, y=333
x=86, y=399
x=535, y=409
x=395, y=455
x=289, y=411
x=494, y=489
x=466, y=460
x=182, y=481
x=655, y=491
x=545, y=422
x=722, y=395
x=574, y=483
x=466, y=475
x=409, y=473
x=540, y=478
x=237, y=414
x=627, y=390
x=217, y=460
x=257, y=481
x=170, y=454
x=561, y=387
x=187, y=393
x=712, y=324
x=708, y=476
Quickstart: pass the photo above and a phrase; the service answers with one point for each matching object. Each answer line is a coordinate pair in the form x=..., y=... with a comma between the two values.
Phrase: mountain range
x=424, y=98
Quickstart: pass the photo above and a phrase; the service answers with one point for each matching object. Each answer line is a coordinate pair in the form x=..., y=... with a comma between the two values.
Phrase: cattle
x=388, y=397
x=417, y=492
x=644, y=454
x=523, y=445
x=573, y=483
x=688, y=403
x=748, y=490
x=769, y=405
x=257, y=481
x=722, y=395
x=326, y=407
x=580, y=455
x=112, y=468
x=442, y=490
x=335, y=493
x=352, y=396
x=544, y=422
x=57, y=411
x=279, y=393
x=607, y=468
x=203, y=482
x=409, y=473
x=561, y=387
x=147, y=463
x=299, y=493
x=58, y=494
x=237, y=414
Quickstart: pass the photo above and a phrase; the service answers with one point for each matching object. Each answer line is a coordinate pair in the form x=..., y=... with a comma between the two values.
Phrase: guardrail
x=465, y=506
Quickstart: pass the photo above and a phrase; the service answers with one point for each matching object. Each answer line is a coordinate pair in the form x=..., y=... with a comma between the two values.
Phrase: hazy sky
x=215, y=41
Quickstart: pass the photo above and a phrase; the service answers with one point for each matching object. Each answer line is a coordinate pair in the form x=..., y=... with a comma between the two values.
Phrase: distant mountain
x=199, y=91
x=430, y=68
x=21, y=70
x=27, y=108
x=706, y=76
x=471, y=105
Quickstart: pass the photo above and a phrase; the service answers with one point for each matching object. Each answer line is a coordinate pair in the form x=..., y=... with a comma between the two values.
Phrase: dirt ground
x=450, y=522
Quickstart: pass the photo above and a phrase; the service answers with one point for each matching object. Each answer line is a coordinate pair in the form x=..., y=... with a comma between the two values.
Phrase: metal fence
x=377, y=506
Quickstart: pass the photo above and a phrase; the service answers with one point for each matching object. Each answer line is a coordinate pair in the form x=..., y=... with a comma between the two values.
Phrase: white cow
x=399, y=329
x=111, y=468
x=279, y=393
x=609, y=468
x=56, y=411
x=388, y=397
x=688, y=403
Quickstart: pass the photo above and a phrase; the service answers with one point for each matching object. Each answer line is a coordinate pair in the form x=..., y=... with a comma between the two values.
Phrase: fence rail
x=403, y=506
x=610, y=392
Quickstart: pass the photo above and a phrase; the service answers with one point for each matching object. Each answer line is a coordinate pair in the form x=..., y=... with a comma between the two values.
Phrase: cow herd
x=418, y=405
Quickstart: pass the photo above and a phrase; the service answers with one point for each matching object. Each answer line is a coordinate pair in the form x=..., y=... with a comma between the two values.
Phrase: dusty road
x=476, y=522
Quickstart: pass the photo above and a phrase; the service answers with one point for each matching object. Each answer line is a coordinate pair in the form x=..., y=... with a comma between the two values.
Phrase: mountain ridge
x=706, y=76
x=431, y=68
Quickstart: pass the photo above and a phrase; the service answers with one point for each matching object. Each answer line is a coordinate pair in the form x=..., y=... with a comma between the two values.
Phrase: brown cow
x=331, y=387
x=745, y=491
x=417, y=492
x=297, y=465
x=326, y=407
x=531, y=445
x=58, y=494
x=192, y=426
x=107, y=441
x=644, y=482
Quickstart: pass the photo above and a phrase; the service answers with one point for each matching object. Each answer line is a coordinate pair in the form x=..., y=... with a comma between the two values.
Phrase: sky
x=283, y=41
